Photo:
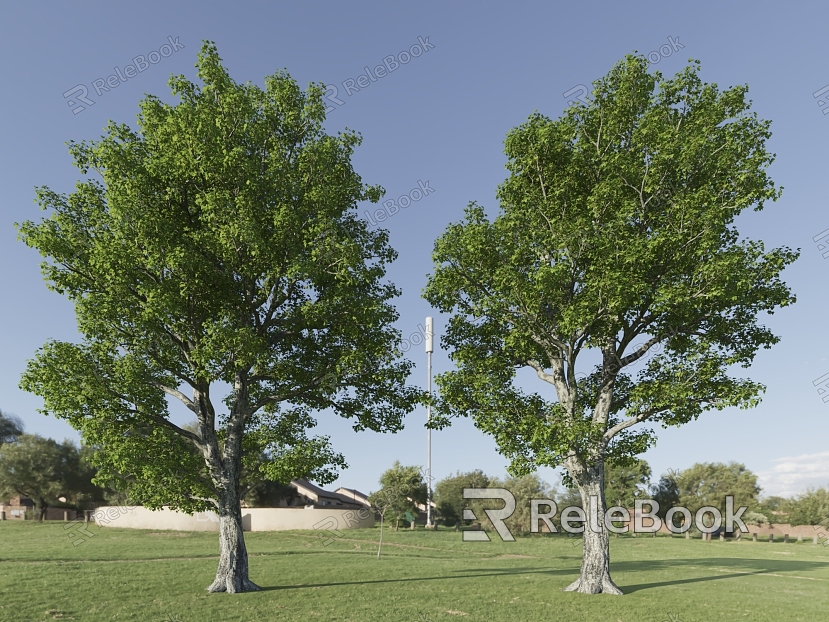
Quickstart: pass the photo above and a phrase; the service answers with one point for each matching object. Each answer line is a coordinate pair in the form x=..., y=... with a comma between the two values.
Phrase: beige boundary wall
x=253, y=519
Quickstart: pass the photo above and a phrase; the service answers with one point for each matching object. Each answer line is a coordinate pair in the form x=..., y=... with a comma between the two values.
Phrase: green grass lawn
x=121, y=574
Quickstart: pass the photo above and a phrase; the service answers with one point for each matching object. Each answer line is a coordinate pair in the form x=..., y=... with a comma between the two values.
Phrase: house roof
x=422, y=506
x=354, y=495
x=319, y=495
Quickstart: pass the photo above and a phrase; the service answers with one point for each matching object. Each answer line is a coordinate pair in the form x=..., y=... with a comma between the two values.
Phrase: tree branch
x=623, y=425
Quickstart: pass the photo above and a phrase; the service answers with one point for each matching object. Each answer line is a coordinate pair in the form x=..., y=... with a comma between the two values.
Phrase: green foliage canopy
x=615, y=237
x=449, y=499
x=810, y=508
x=401, y=489
x=196, y=264
x=10, y=428
x=41, y=469
x=708, y=483
x=623, y=484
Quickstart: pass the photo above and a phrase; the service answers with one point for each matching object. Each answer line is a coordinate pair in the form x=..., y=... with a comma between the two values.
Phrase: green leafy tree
x=268, y=494
x=775, y=508
x=38, y=468
x=615, y=239
x=708, y=483
x=666, y=493
x=198, y=271
x=755, y=518
x=449, y=500
x=10, y=428
x=82, y=492
x=810, y=508
x=624, y=483
x=451, y=504
x=569, y=497
x=254, y=486
x=774, y=504
x=401, y=489
x=524, y=489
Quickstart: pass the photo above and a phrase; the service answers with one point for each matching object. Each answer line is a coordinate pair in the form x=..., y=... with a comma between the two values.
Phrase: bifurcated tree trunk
x=595, y=562
x=225, y=468
x=232, y=575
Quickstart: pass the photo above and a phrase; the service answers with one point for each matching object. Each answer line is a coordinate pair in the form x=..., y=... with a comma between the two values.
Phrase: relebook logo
x=79, y=94
x=574, y=518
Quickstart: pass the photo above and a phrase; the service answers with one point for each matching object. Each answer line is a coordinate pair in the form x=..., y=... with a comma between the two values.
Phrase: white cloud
x=791, y=476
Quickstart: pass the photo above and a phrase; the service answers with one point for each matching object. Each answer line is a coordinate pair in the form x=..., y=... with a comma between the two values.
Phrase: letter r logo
x=79, y=93
x=496, y=517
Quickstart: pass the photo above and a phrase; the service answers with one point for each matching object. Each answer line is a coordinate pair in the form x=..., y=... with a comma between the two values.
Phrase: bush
x=755, y=518
x=810, y=508
x=449, y=494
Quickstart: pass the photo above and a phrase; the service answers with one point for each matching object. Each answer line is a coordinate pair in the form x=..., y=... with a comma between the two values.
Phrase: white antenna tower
x=429, y=349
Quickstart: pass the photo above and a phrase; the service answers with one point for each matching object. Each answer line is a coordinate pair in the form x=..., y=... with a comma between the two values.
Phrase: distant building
x=310, y=495
x=355, y=495
x=18, y=506
x=306, y=506
x=304, y=494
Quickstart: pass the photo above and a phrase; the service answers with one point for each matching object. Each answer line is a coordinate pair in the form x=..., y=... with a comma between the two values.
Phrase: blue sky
x=440, y=119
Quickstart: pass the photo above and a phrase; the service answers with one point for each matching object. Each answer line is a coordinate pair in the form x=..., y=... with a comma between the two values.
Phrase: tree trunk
x=232, y=575
x=595, y=562
x=41, y=511
x=380, y=546
x=224, y=465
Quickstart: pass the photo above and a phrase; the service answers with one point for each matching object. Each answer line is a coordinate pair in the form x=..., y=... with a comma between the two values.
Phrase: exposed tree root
x=605, y=586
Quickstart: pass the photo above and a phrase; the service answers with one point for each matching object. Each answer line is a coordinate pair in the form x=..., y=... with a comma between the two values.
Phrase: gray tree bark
x=225, y=469
x=232, y=575
x=595, y=562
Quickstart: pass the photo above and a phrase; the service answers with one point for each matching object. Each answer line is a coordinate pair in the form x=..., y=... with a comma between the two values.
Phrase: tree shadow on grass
x=473, y=573
x=748, y=567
